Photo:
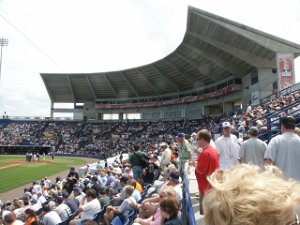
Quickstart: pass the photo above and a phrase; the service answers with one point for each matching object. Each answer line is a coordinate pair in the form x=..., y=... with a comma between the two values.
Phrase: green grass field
x=14, y=177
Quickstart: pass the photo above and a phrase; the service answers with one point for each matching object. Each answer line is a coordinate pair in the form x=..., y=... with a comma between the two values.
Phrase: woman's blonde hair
x=246, y=195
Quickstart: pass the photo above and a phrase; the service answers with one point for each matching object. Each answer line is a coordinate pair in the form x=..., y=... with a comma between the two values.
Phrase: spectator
x=227, y=147
x=135, y=160
x=72, y=178
x=253, y=150
x=169, y=209
x=166, y=155
x=283, y=150
x=35, y=204
x=72, y=203
x=123, y=209
x=150, y=213
x=184, y=148
x=102, y=197
x=8, y=219
x=30, y=217
x=88, y=210
x=78, y=195
x=207, y=163
x=50, y=217
x=62, y=209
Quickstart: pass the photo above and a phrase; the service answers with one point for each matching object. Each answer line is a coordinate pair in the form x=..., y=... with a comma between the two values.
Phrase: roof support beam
x=90, y=86
x=148, y=81
x=247, y=57
x=166, y=78
x=71, y=88
x=218, y=61
x=129, y=84
x=184, y=73
x=48, y=89
x=110, y=85
x=198, y=67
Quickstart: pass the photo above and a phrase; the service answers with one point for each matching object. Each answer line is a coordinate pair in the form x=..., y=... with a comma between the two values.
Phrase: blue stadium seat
x=116, y=221
x=131, y=216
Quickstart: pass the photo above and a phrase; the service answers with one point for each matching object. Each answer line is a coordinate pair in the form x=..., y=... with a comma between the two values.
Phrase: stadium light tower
x=3, y=42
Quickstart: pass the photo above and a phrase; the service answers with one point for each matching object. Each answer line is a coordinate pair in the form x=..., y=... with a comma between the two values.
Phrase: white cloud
x=97, y=36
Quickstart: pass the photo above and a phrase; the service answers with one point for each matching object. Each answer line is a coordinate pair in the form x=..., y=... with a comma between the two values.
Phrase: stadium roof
x=213, y=49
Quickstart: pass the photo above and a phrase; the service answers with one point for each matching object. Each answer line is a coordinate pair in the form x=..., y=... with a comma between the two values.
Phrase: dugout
x=23, y=149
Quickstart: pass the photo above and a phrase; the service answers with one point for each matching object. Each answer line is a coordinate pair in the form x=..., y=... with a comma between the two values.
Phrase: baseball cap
x=65, y=194
x=33, y=200
x=253, y=130
x=174, y=175
x=180, y=135
x=77, y=189
x=226, y=125
x=72, y=168
x=194, y=133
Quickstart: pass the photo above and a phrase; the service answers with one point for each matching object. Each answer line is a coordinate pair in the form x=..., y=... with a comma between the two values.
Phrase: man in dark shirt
x=96, y=186
x=135, y=160
x=72, y=179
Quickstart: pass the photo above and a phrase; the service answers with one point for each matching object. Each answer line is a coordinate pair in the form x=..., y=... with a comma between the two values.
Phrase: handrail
x=285, y=91
x=274, y=118
x=188, y=210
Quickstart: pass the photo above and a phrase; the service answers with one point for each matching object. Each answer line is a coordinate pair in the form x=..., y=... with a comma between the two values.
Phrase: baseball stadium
x=206, y=135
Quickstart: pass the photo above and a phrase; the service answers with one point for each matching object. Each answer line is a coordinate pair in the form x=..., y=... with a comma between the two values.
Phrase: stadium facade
x=219, y=66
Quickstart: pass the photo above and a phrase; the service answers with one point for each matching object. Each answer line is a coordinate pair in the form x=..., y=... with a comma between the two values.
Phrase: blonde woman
x=248, y=195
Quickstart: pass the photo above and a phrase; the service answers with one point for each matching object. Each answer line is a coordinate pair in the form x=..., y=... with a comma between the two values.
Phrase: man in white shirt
x=227, y=147
x=36, y=188
x=166, y=156
x=50, y=217
x=8, y=219
x=35, y=204
x=78, y=195
x=88, y=210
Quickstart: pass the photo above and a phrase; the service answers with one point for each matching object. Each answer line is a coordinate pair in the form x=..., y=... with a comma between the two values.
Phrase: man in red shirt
x=208, y=162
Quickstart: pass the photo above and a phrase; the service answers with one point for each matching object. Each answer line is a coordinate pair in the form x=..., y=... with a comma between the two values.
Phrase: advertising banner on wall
x=255, y=98
x=285, y=68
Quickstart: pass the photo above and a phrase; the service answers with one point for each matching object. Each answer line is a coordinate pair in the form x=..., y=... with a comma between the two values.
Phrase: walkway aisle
x=193, y=186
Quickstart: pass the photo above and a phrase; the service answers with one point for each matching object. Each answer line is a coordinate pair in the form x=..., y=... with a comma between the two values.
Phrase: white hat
x=226, y=125
x=194, y=133
x=163, y=144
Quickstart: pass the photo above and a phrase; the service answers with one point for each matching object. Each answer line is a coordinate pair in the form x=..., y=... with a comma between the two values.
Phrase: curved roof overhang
x=213, y=49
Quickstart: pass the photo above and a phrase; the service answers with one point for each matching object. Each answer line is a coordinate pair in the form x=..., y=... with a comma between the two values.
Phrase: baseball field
x=15, y=171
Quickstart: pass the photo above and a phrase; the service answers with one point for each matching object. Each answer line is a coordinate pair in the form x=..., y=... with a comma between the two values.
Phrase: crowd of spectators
x=112, y=190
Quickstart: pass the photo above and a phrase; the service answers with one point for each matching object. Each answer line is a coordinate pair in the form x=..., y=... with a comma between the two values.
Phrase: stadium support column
x=266, y=78
x=121, y=116
x=3, y=42
x=51, y=110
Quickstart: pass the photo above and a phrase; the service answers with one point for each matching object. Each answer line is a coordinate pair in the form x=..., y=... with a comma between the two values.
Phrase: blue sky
x=97, y=36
